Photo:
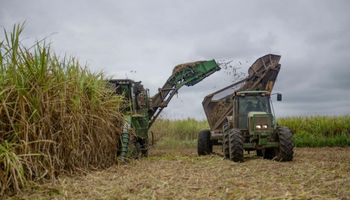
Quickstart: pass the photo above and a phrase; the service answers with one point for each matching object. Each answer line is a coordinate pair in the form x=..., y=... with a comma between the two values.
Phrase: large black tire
x=226, y=144
x=205, y=146
x=236, y=145
x=286, y=145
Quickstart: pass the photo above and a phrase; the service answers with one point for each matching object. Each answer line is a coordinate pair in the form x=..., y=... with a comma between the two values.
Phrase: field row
x=315, y=173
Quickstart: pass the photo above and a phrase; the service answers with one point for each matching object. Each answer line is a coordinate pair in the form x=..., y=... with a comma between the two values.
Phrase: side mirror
x=279, y=97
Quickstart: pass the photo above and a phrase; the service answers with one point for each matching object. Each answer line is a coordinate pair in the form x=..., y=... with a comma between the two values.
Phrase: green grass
x=316, y=131
x=172, y=143
x=55, y=115
x=177, y=133
x=186, y=129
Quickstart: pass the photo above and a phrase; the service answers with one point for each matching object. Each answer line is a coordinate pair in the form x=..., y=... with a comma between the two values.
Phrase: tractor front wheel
x=204, y=146
x=286, y=145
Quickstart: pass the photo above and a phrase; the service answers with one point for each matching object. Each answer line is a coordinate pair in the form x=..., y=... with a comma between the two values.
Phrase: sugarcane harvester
x=240, y=117
x=141, y=111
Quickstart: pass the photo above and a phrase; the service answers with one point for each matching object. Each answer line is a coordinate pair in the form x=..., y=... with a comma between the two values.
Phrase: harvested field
x=315, y=173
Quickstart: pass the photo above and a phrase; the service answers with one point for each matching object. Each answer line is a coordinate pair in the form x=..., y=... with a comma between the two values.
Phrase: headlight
x=258, y=126
x=264, y=126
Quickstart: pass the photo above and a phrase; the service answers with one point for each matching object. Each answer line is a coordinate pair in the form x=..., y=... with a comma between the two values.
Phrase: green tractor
x=241, y=118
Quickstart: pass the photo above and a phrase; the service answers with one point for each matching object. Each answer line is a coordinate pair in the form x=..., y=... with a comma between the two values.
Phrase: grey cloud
x=152, y=37
x=234, y=44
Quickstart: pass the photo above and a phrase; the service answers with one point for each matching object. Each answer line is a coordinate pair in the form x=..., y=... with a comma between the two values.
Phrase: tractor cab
x=254, y=118
x=253, y=110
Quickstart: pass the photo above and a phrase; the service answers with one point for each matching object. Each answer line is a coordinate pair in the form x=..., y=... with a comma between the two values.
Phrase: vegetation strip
x=55, y=115
x=314, y=131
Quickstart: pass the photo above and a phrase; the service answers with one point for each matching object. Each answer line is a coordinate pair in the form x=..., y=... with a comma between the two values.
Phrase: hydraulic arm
x=187, y=74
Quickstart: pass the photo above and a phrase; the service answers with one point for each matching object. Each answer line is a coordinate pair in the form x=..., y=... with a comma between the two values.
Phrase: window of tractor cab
x=248, y=104
x=254, y=103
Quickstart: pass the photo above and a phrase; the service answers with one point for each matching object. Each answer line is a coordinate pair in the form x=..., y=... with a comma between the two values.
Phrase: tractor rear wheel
x=236, y=145
x=204, y=146
x=286, y=145
x=226, y=144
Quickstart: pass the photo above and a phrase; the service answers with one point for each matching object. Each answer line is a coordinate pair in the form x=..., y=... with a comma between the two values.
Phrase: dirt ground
x=315, y=173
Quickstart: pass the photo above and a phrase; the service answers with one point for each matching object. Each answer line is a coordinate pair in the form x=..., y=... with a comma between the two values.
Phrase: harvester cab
x=133, y=93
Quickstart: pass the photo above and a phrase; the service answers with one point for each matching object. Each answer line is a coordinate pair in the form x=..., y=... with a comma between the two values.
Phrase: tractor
x=242, y=119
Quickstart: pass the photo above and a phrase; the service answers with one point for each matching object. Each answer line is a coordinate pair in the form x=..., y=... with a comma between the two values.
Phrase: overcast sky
x=151, y=37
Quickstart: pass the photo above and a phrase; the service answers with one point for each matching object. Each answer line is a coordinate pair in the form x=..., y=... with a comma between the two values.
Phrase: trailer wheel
x=236, y=145
x=204, y=146
x=226, y=144
x=286, y=145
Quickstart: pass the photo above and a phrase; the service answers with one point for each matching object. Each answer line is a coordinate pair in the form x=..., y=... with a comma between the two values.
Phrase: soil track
x=315, y=173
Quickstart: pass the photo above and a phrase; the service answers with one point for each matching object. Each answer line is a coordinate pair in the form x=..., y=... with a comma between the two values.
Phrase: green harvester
x=141, y=110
